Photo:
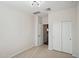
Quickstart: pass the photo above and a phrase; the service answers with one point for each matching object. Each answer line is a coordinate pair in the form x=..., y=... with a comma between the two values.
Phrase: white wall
x=77, y=30
x=36, y=30
x=50, y=37
x=16, y=31
x=45, y=20
x=76, y=42
x=56, y=17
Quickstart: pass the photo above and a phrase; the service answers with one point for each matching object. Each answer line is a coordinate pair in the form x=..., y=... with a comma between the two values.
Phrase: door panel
x=66, y=37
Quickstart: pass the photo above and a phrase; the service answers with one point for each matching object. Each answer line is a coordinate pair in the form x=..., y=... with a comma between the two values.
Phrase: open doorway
x=41, y=32
x=45, y=34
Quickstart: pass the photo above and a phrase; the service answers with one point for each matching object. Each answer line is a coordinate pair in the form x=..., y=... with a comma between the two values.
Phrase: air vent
x=37, y=12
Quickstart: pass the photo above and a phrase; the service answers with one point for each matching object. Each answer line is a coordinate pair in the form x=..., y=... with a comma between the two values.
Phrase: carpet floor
x=42, y=52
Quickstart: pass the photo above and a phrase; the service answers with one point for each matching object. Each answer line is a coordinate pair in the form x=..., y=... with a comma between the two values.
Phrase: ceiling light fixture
x=36, y=3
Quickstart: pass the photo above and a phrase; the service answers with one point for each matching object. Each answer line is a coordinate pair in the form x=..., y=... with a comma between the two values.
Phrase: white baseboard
x=19, y=52
x=75, y=55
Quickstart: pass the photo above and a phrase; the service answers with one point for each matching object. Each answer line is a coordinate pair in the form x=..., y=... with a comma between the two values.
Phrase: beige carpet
x=42, y=52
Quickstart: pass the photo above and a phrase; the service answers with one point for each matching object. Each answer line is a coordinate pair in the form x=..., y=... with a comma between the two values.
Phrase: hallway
x=42, y=52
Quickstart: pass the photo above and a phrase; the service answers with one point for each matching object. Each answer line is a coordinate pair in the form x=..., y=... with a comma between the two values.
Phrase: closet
x=62, y=38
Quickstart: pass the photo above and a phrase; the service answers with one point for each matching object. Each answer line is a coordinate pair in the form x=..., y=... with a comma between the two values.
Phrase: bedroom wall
x=76, y=42
x=16, y=31
x=45, y=20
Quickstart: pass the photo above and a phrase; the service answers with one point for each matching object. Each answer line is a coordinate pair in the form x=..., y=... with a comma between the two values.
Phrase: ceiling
x=26, y=6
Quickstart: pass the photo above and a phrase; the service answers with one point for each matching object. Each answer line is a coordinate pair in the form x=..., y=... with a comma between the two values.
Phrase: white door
x=66, y=37
x=40, y=38
x=57, y=36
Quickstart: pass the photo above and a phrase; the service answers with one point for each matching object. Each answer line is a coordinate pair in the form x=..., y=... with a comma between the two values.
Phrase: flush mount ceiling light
x=36, y=3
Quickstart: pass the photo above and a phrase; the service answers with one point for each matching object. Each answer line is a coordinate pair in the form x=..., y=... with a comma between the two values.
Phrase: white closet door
x=57, y=36
x=66, y=37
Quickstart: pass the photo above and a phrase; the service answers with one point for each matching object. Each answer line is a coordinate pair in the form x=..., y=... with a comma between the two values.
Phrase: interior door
x=40, y=38
x=66, y=37
x=57, y=36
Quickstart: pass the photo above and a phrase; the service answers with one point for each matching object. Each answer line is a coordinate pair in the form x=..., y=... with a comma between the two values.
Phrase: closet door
x=57, y=36
x=66, y=37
